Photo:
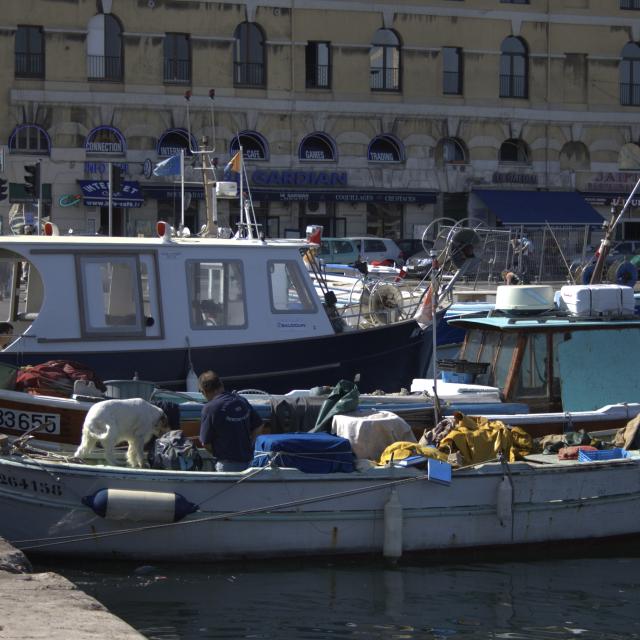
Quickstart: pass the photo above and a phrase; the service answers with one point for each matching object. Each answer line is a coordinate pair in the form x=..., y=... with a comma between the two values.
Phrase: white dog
x=133, y=421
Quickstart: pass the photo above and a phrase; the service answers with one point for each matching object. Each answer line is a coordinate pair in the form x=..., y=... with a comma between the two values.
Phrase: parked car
x=382, y=250
x=418, y=265
x=409, y=246
x=338, y=251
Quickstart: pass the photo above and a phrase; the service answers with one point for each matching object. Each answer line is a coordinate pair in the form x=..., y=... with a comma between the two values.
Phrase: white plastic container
x=524, y=298
x=590, y=300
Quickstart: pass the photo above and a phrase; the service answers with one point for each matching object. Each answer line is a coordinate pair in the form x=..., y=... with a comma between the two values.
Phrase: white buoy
x=504, y=502
x=192, y=380
x=392, y=547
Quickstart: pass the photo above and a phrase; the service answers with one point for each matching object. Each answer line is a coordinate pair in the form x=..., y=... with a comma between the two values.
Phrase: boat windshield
x=494, y=348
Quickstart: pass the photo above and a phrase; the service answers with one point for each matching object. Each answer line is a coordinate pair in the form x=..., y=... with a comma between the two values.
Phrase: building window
x=177, y=58
x=630, y=75
x=384, y=60
x=249, y=56
x=30, y=138
x=514, y=1
x=385, y=148
x=514, y=150
x=318, y=65
x=514, y=69
x=630, y=4
x=29, y=52
x=104, y=48
x=254, y=146
x=317, y=147
x=452, y=70
x=452, y=151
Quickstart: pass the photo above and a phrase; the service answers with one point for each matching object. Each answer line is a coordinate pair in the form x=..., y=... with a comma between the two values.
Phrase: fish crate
x=461, y=371
x=604, y=454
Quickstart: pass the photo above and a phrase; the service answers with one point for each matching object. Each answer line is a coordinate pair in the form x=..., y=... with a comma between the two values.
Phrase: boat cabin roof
x=499, y=321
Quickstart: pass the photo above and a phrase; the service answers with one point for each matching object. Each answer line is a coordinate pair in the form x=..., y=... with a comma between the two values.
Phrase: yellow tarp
x=402, y=450
x=479, y=440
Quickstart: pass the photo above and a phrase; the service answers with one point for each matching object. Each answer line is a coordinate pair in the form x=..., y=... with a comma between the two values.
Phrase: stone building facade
x=365, y=117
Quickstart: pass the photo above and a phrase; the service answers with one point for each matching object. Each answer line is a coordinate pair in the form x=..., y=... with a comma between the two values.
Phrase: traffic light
x=32, y=180
x=3, y=189
x=116, y=179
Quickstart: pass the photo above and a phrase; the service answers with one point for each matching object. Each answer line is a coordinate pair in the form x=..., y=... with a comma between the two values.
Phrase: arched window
x=317, y=147
x=384, y=60
x=249, y=55
x=514, y=150
x=172, y=141
x=30, y=138
x=104, y=48
x=629, y=157
x=29, y=52
x=514, y=69
x=630, y=74
x=575, y=155
x=385, y=148
x=451, y=151
x=105, y=140
x=254, y=146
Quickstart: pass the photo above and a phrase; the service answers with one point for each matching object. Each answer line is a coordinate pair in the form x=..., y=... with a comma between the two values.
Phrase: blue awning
x=538, y=207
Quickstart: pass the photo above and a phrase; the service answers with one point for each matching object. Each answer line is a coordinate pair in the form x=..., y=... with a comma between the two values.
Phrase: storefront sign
x=398, y=197
x=96, y=194
x=103, y=167
x=611, y=181
x=105, y=139
x=514, y=178
x=70, y=199
x=300, y=178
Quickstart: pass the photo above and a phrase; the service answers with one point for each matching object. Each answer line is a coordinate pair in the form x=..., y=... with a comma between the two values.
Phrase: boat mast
x=208, y=165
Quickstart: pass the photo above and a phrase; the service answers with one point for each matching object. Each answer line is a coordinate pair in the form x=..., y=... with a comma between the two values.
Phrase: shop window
x=216, y=294
x=104, y=48
x=29, y=52
x=173, y=141
x=317, y=147
x=254, y=146
x=385, y=148
x=249, y=56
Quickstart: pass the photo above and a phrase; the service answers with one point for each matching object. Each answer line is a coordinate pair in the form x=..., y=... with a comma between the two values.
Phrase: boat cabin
x=555, y=359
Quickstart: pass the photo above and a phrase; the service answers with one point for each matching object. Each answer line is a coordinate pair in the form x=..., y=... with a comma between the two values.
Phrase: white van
x=379, y=250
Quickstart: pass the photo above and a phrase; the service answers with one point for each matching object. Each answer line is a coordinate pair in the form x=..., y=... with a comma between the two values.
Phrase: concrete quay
x=35, y=606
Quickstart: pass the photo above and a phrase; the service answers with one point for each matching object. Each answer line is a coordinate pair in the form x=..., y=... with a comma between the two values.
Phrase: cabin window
x=503, y=361
x=287, y=288
x=472, y=346
x=532, y=380
x=111, y=299
x=216, y=294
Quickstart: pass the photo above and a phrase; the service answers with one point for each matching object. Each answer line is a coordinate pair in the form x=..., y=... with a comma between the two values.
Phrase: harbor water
x=546, y=597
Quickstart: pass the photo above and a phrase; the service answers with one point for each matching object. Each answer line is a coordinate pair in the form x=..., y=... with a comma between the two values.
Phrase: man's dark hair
x=209, y=381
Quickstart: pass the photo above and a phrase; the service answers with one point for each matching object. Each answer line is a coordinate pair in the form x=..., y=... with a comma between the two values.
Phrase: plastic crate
x=604, y=454
x=460, y=378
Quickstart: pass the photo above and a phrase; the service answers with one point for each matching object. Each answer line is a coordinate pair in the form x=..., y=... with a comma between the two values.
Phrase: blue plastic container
x=605, y=454
x=455, y=376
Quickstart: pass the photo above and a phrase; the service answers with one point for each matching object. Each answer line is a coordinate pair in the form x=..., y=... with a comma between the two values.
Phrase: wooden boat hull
x=284, y=512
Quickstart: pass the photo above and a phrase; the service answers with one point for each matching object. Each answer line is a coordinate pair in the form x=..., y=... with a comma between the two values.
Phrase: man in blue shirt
x=228, y=425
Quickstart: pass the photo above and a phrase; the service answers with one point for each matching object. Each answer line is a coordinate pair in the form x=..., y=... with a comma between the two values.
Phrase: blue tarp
x=538, y=207
x=309, y=452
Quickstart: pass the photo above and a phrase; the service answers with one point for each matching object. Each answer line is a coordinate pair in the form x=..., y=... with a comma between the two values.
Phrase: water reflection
x=543, y=599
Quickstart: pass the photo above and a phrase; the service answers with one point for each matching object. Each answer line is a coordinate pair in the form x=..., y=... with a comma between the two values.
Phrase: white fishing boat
x=63, y=508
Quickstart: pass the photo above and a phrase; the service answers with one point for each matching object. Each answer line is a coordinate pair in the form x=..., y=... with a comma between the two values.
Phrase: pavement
x=35, y=606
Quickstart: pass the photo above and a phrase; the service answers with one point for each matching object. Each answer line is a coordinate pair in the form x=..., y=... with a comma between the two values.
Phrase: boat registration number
x=25, y=420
